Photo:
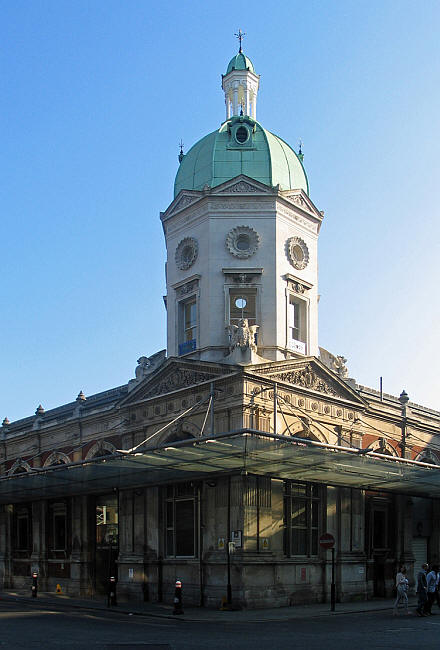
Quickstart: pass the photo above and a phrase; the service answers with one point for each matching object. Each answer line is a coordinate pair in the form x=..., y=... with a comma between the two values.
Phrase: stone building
x=229, y=454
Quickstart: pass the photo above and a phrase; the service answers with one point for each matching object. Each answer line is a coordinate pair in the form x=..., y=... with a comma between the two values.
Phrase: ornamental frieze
x=241, y=186
x=306, y=378
x=181, y=378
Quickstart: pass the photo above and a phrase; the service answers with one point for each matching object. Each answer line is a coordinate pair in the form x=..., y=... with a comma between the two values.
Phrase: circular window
x=297, y=253
x=241, y=134
x=242, y=241
x=186, y=253
x=240, y=303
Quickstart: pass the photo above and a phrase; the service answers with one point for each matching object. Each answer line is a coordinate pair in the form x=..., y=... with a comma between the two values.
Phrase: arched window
x=381, y=446
x=19, y=467
x=428, y=456
x=99, y=449
x=56, y=458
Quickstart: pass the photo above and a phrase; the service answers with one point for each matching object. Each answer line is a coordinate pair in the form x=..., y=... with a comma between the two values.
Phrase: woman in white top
x=402, y=590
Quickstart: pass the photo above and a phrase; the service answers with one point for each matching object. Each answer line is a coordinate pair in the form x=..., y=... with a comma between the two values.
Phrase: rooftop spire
x=181, y=154
x=240, y=35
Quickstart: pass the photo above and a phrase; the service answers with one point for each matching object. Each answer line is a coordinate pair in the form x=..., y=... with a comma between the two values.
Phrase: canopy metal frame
x=245, y=451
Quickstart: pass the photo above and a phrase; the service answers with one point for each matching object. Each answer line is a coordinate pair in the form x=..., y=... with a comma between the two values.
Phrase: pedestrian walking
x=422, y=590
x=431, y=583
x=402, y=585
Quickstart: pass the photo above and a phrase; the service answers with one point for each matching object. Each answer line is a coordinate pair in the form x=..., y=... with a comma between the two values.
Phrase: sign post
x=328, y=541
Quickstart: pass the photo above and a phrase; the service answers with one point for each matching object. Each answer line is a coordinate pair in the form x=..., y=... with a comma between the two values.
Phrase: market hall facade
x=228, y=455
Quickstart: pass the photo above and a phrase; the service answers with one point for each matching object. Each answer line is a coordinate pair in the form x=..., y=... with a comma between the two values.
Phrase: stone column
x=152, y=551
x=38, y=555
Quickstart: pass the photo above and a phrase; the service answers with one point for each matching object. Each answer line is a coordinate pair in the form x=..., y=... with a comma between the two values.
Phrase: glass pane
x=299, y=517
x=315, y=514
x=184, y=489
x=190, y=315
x=184, y=527
x=314, y=535
x=107, y=521
x=298, y=489
x=170, y=514
x=23, y=532
x=299, y=542
x=59, y=534
x=169, y=542
x=242, y=305
x=379, y=530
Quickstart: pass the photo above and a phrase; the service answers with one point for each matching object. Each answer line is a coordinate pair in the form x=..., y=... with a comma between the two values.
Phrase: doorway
x=107, y=541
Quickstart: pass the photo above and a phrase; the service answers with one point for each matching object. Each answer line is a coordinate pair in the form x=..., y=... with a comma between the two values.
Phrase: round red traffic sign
x=326, y=540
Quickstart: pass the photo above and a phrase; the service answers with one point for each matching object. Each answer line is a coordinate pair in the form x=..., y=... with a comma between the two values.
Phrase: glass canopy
x=242, y=451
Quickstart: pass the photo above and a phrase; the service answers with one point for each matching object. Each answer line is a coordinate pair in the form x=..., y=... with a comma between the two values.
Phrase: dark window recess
x=302, y=512
x=241, y=134
x=181, y=521
x=22, y=529
x=58, y=526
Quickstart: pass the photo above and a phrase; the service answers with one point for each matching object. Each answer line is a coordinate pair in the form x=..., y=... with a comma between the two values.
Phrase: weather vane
x=240, y=37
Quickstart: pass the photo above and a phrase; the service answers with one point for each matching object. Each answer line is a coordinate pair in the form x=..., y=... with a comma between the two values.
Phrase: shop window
x=181, y=521
x=296, y=324
x=187, y=326
x=58, y=527
x=302, y=512
x=23, y=529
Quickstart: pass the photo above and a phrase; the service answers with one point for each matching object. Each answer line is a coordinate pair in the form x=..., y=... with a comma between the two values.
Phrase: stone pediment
x=172, y=376
x=182, y=201
x=310, y=375
x=300, y=199
x=241, y=184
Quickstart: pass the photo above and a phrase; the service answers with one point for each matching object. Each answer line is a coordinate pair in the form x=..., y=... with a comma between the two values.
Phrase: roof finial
x=300, y=153
x=240, y=35
x=181, y=154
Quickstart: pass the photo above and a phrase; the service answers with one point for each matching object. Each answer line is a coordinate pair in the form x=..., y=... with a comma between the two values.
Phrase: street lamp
x=403, y=399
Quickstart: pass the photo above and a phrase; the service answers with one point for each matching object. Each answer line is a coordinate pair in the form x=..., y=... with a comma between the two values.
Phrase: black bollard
x=34, y=587
x=112, y=602
x=178, y=603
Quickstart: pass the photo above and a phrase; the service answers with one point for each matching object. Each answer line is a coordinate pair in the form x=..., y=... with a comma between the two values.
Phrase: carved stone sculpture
x=146, y=366
x=243, y=335
x=335, y=363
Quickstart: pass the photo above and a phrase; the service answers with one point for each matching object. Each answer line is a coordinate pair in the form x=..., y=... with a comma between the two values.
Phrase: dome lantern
x=240, y=85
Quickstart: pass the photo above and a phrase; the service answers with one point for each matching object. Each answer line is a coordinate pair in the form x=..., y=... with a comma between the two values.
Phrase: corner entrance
x=107, y=541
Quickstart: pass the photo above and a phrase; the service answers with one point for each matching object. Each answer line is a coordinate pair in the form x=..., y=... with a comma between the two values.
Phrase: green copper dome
x=240, y=146
x=240, y=62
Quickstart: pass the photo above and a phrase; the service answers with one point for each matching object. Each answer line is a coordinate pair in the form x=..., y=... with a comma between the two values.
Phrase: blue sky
x=95, y=98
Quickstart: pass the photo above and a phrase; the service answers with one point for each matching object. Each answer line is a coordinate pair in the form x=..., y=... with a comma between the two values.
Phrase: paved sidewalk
x=200, y=614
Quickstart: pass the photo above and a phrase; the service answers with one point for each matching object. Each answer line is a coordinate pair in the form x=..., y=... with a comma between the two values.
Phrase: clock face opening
x=240, y=303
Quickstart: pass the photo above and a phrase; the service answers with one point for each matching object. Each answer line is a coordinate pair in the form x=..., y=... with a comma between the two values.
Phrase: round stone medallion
x=242, y=241
x=186, y=253
x=297, y=252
